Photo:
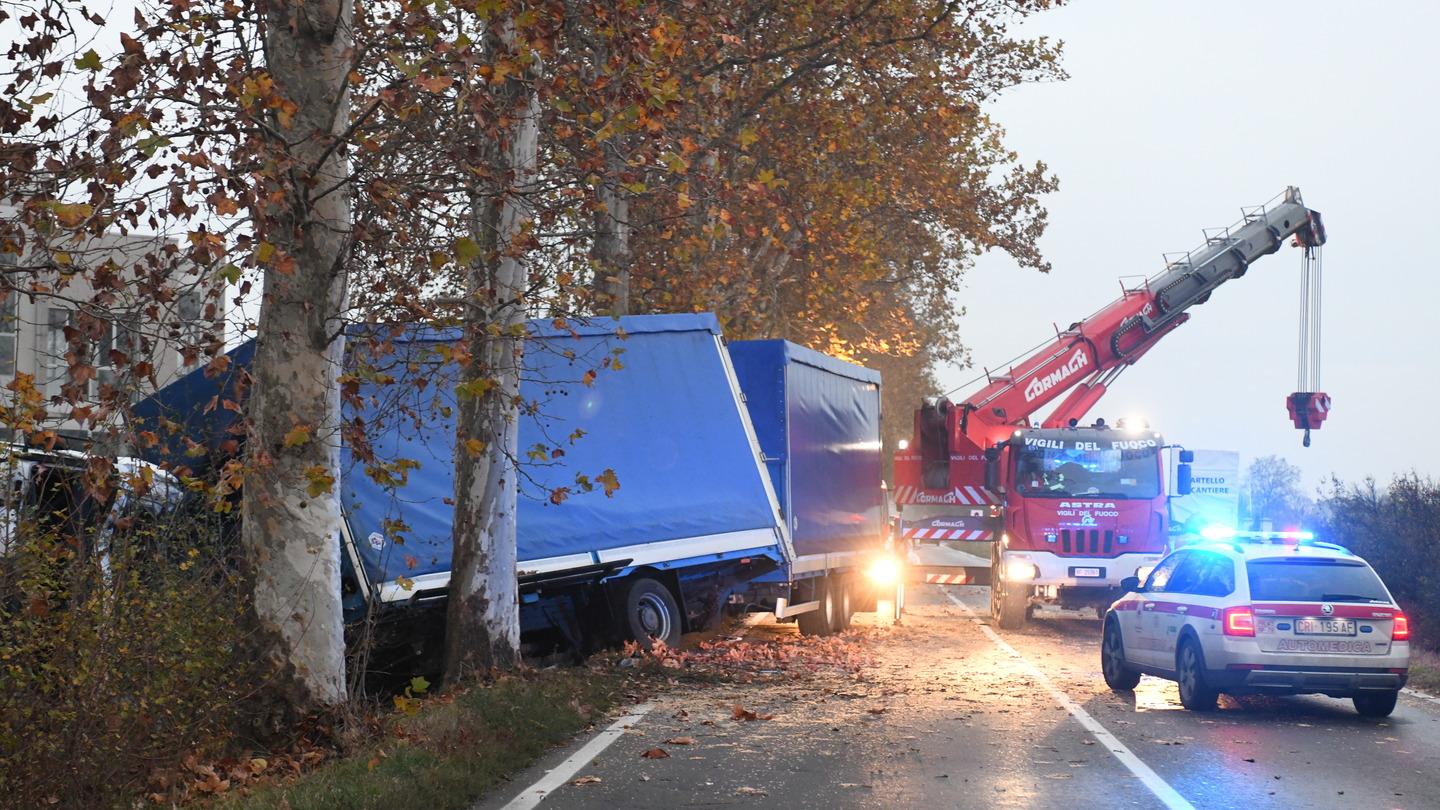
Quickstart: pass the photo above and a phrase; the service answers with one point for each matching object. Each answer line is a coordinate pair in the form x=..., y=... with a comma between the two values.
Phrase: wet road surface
x=944, y=716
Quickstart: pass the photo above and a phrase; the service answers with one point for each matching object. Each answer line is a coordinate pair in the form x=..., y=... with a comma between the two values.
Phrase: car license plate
x=1325, y=627
x=1085, y=572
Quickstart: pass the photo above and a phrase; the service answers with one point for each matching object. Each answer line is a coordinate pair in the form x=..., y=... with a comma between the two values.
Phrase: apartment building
x=33, y=338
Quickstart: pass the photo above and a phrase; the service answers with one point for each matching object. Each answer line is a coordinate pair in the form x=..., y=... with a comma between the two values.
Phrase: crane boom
x=1088, y=355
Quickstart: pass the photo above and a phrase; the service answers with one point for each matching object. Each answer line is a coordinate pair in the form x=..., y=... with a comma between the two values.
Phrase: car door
x=1142, y=646
x=1182, y=598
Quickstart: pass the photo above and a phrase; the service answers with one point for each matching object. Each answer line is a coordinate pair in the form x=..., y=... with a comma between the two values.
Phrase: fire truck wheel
x=1009, y=606
x=820, y=622
x=651, y=613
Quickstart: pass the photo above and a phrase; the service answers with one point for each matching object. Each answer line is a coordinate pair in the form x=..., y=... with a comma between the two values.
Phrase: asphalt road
x=946, y=716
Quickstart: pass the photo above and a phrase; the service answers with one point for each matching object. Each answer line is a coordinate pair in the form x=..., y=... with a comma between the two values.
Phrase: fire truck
x=1070, y=509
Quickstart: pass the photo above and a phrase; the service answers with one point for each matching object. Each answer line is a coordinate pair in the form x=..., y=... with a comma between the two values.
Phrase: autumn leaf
x=655, y=753
x=681, y=741
x=587, y=780
x=298, y=435
x=318, y=481
x=610, y=481
x=435, y=84
x=90, y=61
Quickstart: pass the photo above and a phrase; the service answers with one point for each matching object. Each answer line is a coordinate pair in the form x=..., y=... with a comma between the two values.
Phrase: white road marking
x=560, y=774
x=1162, y=790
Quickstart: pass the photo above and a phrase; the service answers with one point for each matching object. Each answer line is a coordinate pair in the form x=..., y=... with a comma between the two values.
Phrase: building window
x=9, y=317
x=53, y=368
x=189, y=310
x=122, y=336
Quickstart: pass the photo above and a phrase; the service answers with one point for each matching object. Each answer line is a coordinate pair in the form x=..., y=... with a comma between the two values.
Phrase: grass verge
x=1425, y=671
x=453, y=747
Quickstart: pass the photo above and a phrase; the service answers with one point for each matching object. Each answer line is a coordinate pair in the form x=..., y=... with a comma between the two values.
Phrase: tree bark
x=291, y=540
x=482, y=629
x=610, y=249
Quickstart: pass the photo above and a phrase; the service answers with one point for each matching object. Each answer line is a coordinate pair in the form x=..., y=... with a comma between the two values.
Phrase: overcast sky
x=1175, y=116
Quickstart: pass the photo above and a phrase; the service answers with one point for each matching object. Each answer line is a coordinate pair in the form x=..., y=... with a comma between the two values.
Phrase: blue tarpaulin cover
x=664, y=418
x=818, y=422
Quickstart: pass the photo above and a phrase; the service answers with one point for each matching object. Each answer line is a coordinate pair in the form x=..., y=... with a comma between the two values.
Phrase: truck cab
x=1081, y=509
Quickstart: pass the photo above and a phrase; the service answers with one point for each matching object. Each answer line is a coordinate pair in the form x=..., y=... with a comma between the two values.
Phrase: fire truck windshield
x=1067, y=471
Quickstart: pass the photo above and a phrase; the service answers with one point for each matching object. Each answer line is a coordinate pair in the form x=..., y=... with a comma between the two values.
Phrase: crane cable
x=1308, y=359
x=1311, y=286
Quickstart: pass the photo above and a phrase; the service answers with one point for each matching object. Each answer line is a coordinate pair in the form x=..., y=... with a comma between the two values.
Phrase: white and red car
x=1272, y=613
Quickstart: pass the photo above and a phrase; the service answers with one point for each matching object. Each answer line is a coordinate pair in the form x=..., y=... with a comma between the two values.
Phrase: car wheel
x=651, y=613
x=820, y=622
x=1195, y=693
x=1375, y=704
x=1119, y=675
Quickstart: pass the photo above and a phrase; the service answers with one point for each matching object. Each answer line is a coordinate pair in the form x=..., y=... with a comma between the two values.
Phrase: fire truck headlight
x=1020, y=571
x=884, y=570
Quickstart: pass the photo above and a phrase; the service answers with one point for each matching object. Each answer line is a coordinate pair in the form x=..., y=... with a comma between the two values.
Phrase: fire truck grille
x=1083, y=543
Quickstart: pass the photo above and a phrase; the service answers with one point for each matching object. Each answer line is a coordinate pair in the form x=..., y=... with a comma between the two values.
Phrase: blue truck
x=749, y=480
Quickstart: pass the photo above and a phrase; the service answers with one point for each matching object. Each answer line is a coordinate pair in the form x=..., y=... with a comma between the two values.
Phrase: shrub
x=1395, y=529
x=119, y=654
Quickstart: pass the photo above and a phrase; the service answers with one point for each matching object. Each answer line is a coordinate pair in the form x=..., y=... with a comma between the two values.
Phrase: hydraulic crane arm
x=1085, y=358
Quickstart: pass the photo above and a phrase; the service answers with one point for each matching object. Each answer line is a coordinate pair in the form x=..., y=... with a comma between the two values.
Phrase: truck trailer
x=748, y=479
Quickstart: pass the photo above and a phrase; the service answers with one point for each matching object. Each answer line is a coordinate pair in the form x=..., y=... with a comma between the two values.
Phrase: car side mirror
x=1130, y=584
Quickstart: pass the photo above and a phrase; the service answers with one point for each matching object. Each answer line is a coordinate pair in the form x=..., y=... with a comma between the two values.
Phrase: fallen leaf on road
x=681, y=741
x=879, y=710
x=749, y=791
x=742, y=713
x=586, y=780
x=655, y=753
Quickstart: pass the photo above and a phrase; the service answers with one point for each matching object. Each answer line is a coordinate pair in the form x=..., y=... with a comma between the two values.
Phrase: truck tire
x=1011, y=608
x=651, y=613
x=1009, y=605
x=820, y=622
x=843, y=607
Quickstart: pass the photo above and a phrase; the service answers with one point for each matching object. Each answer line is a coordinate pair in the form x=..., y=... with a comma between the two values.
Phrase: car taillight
x=1239, y=621
x=1401, y=630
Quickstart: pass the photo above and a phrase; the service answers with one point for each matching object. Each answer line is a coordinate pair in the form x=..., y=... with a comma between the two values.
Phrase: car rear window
x=1301, y=580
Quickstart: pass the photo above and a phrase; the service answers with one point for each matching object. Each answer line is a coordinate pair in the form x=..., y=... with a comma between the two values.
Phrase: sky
x=1175, y=116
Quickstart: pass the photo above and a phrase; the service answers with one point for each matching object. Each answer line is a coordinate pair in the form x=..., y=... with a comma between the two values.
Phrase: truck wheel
x=1195, y=693
x=843, y=609
x=820, y=622
x=1375, y=704
x=651, y=613
x=1119, y=675
x=1010, y=608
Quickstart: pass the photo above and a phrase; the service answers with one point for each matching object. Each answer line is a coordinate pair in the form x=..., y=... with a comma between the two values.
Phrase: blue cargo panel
x=667, y=421
x=818, y=422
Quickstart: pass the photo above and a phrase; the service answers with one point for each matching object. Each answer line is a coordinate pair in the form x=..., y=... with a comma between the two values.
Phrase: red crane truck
x=1072, y=509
